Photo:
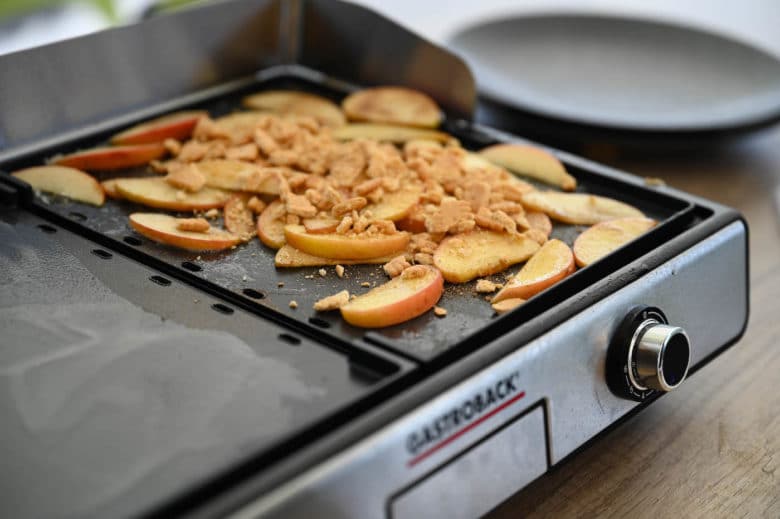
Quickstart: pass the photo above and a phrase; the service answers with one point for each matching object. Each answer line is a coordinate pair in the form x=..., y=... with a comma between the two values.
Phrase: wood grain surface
x=711, y=448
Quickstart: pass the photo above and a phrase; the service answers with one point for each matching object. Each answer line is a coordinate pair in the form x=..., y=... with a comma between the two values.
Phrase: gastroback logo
x=463, y=417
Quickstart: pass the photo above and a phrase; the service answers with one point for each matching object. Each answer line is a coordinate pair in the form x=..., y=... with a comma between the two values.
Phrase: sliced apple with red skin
x=389, y=133
x=532, y=162
x=290, y=257
x=113, y=157
x=395, y=205
x=345, y=246
x=64, y=181
x=109, y=187
x=177, y=126
x=402, y=298
x=163, y=228
x=270, y=225
x=603, y=238
x=479, y=253
x=156, y=192
x=578, y=208
x=551, y=263
x=292, y=102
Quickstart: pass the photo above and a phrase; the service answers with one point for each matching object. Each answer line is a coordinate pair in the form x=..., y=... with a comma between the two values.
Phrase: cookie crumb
x=243, y=278
x=340, y=271
x=280, y=284
x=333, y=302
x=322, y=273
x=365, y=284
x=439, y=311
x=293, y=304
x=211, y=213
x=485, y=286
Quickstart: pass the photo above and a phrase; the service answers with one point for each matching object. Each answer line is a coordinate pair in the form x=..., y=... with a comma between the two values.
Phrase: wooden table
x=712, y=447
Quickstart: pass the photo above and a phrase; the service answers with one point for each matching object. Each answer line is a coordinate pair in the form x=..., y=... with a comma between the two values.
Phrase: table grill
x=139, y=380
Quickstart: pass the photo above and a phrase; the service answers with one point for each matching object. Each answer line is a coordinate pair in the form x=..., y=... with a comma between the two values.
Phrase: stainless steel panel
x=481, y=478
x=120, y=74
x=563, y=368
x=55, y=88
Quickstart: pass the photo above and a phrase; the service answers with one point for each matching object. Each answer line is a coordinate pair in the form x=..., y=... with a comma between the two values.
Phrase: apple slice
x=297, y=103
x=177, y=126
x=478, y=253
x=414, y=222
x=109, y=188
x=163, y=228
x=386, y=132
x=395, y=205
x=551, y=263
x=68, y=182
x=114, y=157
x=404, y=297
x=237, y=175
x=288, y=256
x=540, y=221
x=392, y=105
x=345, y=246
x=532, y=162
x=156, y=192
x=270, y=225
x=578, y=208
x=239, y=219
x=605, y=237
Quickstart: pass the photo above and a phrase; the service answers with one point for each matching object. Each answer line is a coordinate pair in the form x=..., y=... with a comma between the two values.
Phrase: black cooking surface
x=124, y=387
x=249, y=269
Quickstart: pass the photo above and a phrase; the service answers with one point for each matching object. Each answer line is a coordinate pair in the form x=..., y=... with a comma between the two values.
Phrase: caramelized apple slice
x=404, y=297
x=114, y=157
x=345, y=246
x=578, y=208
x=156, y=192
x=397, y=205
x=464, y=257
x=68, y=182
x=386, y=132
x=553, y=262
x=297, y=103
x=237, y=175
x=270, y=225
x=604, y=237
x=288, y=256
x=177, y=126
x=392, y=105
x=164, y=229
x=532, y=162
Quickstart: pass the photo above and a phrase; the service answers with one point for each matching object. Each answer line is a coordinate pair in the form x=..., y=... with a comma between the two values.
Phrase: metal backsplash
x=59, y=88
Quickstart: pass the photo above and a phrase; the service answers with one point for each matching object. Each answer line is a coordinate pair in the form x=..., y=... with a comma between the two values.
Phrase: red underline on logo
x=417, y=459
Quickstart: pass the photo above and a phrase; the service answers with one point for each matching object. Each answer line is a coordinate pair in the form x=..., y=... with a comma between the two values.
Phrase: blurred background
x=26, y=23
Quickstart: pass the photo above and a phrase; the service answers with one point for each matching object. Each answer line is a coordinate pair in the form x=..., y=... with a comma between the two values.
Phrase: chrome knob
x=647, y=355
x=658, y=356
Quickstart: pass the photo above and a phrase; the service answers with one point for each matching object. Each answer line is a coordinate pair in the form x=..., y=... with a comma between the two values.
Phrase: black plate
x=623, y=75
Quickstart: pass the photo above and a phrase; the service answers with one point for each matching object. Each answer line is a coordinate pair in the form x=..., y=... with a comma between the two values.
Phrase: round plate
x=622, y=74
